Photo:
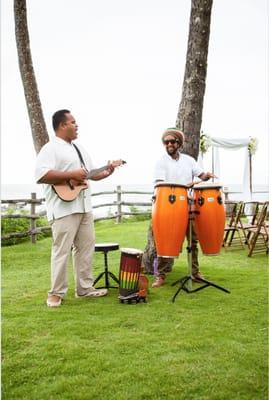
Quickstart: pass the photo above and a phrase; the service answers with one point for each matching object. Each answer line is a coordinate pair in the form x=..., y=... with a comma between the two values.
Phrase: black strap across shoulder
x=80, y=156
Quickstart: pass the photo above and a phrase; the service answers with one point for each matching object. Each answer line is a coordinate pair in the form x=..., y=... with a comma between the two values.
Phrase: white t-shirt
x=60, y=155
x=181, y=171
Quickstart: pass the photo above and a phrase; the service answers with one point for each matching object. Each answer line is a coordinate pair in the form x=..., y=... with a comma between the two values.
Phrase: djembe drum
x=169, y=218
x=209, y=217
x=132, y=284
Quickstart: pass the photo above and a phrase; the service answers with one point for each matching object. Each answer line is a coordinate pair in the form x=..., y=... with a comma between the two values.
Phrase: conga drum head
x=207, y=185
x=169, y=184
x=131, y=251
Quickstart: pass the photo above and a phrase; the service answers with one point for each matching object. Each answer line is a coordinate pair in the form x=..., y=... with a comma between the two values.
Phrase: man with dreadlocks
x=179, y=168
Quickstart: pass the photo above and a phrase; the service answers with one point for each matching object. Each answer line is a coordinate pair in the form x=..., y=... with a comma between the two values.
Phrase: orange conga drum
x=169, y=218
x=209, y=217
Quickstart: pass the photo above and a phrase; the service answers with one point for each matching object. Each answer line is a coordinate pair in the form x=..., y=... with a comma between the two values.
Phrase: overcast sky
x=119, y=66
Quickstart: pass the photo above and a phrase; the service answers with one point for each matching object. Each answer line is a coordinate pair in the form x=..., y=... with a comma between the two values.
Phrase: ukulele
x=68, y=191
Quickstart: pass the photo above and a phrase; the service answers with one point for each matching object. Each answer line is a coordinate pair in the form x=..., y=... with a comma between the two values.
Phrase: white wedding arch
x=250, y=145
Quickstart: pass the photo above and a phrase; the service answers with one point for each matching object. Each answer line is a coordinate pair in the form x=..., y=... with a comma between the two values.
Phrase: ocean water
x=23, y=191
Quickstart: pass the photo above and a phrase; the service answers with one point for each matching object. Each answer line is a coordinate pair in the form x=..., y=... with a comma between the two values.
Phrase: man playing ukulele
x=62, y=164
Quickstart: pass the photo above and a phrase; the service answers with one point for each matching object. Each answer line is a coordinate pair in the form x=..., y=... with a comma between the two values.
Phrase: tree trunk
x=189, y=118
x=37, y=122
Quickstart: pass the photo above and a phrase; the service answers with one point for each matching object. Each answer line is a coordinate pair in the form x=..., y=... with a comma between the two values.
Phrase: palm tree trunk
x=189, y=118
x=37, y=122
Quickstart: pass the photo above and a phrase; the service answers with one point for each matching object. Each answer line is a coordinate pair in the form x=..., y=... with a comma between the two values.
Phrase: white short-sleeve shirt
x=181, y=171
x=60, y=155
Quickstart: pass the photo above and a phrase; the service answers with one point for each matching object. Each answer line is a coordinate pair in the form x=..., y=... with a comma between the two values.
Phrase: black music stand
x=185, y=283
x=105, y=248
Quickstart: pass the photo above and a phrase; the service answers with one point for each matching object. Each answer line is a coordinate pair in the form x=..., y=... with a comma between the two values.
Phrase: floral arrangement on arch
x=253, y=145
x=205, y=143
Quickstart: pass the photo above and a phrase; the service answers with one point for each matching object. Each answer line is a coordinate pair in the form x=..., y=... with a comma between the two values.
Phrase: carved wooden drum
x=130, y=268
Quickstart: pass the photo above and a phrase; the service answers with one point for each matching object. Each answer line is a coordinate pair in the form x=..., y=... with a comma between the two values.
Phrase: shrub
x=19, y=225
x=139, y=217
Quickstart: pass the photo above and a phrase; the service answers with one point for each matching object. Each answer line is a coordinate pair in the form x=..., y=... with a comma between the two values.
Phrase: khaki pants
x=74, y=232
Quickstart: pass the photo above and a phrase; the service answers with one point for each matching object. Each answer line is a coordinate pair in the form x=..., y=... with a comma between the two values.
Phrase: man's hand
x=103, y=172
x=107, y=172
x=110, y=168
x=205, y=176
x=78, y=175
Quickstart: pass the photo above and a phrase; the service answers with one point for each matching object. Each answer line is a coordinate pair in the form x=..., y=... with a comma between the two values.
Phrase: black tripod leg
x=209, y=283
x=175, y=295
x=183, y=281
x=98, y=278
x=106, y=270
x=178, y=281
x=113, y=277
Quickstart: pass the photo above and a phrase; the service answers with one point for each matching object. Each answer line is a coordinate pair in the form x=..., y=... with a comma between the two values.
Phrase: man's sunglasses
x=172, y=141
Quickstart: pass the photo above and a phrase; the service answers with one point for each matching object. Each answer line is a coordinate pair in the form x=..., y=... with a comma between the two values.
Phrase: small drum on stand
x=169, y=218
x=133, y=285
x=209, y=218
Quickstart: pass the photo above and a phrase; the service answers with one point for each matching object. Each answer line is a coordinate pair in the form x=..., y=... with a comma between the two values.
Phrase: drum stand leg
x=185, y=283
x=106, y=273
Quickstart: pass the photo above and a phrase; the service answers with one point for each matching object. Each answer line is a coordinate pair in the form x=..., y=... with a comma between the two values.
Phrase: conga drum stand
x=185, y=283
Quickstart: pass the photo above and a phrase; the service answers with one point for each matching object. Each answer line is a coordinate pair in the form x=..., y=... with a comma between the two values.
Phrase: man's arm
x=54, y=177
x=101, y=175
x=109, y=169
x=204, y=176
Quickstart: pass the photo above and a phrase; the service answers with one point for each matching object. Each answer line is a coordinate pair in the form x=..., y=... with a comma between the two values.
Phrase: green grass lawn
x=206, y=345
